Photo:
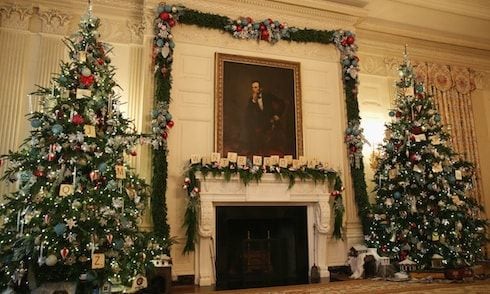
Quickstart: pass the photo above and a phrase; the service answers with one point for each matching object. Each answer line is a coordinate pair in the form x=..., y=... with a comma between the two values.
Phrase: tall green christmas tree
x=423, y=208
x=78, y=203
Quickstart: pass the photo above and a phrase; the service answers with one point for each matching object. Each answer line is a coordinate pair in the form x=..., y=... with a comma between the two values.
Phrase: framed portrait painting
x=257, y=106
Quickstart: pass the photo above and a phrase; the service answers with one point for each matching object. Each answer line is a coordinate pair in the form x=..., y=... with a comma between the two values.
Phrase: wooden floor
x=360, y=286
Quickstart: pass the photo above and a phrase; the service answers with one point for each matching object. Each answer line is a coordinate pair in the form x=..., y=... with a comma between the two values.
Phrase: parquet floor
x=359, y=286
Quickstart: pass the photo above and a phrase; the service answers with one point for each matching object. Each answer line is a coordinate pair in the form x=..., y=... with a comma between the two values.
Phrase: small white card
x=458, y=175
x=120, y=172
x=232, y=156
x=296, y=163
x=66, y=190
x=98, y=260
x=81, y=93
x=241, y=160
x=303, y=160
x=289, y=159
x=215, y=157
x=274, y=160
x=267, y=161
x=283, y=163
x=224, y=162
x=89, y=131
x=257, y=160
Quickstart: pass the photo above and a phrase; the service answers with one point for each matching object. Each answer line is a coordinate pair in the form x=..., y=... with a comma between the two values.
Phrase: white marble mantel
x=216, y=191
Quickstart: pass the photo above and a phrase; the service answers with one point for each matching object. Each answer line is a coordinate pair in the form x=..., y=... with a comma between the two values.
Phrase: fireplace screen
x=259, y=246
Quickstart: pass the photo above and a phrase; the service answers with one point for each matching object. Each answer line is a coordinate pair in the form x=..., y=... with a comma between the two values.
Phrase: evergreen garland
x=246, y=28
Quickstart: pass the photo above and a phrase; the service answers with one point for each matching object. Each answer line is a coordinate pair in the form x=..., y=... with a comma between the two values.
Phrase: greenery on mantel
x=249, y=173
x=267, y=30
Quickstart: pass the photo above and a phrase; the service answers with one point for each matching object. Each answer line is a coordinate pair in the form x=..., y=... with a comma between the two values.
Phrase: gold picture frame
x=265, y=123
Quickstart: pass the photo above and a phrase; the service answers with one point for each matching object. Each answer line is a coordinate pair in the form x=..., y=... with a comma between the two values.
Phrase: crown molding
x=476, y=9
x=387, y=45
x=416, y=32
x=292, y=12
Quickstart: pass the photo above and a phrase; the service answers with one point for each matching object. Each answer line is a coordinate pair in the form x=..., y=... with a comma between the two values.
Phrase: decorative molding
x=55, y=21
x=473, y=9
x=417, y=32
x=482, y=80
x=373, y=65
x=15, y=17
x=372, y=43
x=136, y=29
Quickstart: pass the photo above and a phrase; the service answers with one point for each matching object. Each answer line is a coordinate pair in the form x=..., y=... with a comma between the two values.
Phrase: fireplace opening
x=260, y=246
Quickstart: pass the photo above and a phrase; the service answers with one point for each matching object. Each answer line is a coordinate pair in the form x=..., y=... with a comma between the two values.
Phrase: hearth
x=258, y=246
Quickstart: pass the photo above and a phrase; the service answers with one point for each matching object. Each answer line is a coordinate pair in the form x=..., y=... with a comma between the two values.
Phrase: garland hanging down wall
x=246, y=28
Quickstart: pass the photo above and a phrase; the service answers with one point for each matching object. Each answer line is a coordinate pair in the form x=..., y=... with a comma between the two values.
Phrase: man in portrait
x=263, y=128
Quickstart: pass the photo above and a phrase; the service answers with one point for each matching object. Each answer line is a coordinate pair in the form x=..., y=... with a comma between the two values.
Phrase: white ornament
x=51, y=260
x=86, y=72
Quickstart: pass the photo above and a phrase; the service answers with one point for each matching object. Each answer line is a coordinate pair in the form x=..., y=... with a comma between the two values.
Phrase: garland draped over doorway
x=246, y=28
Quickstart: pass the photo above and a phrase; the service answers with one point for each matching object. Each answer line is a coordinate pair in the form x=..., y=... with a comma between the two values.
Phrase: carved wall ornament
x=136, y=28
x=55, y=21
x=16, y=17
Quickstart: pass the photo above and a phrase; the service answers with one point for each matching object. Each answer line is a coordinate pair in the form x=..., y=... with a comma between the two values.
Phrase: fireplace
x=261, y=234
x=258, y=246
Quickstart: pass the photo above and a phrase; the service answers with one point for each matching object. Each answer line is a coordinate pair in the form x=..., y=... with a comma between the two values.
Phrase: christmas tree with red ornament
x=75, y=214
x=423, y=209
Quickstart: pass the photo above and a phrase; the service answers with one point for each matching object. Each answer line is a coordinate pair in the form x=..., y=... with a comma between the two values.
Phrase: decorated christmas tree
x=423, y=209
x=76, y=211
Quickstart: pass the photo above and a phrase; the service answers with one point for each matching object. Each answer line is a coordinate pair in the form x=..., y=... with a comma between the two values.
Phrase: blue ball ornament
x=256, y=26
x=168, y=8
x=391, y=113
x=171, y=44
x=25, y=176
x=389, y=147
x=102, y=167
x=118, y=244
x=168, y=116
x=397, y=195
x=60, y=229
x=160, y=43
x=437, y=118
x=419, y=88
x=57, y=129
x=346, y=62
x=160, y=9
x=62, y=79
x=348, y=131
x=451, y=179
x=35, y=123
x=356, y=132
x=354, y=62
x=154, y=113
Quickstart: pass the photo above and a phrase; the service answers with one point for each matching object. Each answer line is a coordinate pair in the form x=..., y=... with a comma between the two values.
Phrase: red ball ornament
x=87, y=81
x=420, y=95
x=165, y=135
x=100, y=61
x=262, y=27
x=77, y=119
x=398, y=114
x=353, y=149
x=238, y=28
x=343, y=42
x=249, y=20
x=170, y=123
x=171, y=23
x=264, y=35
x=414, y=157
x=133, y=153
x=350, y=40
x=38, y=173
x=165, y=15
